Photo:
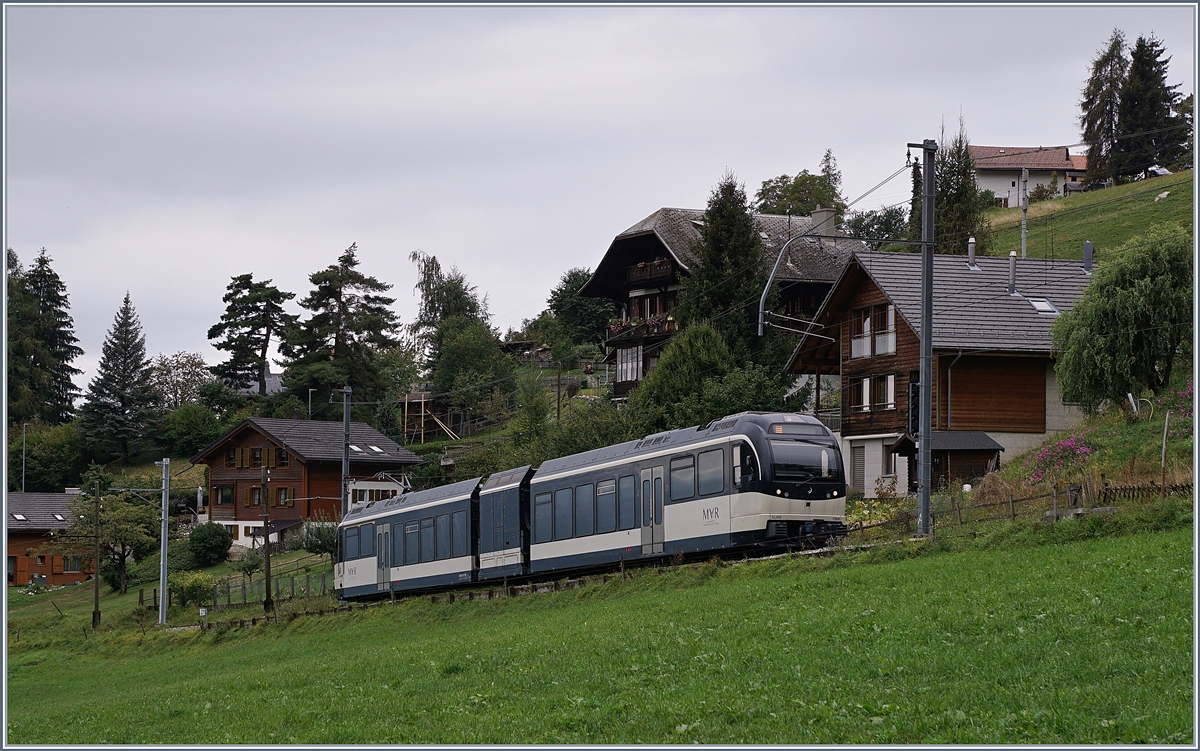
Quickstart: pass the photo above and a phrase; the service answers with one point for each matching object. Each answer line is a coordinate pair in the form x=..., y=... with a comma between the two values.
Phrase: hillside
x=1109, y=217
x=987, y=638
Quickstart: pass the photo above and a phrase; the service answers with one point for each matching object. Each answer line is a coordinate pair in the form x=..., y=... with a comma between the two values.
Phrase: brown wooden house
x=33, y=520
x=994, y=383
x=305, y=462
x=644, y=265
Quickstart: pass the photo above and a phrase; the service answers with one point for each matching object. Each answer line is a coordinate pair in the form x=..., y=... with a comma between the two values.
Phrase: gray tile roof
x=949, y=440
x=321, y=440
x=971, y=307
x=39, y=510
x=678, y=229
x=1017, y=157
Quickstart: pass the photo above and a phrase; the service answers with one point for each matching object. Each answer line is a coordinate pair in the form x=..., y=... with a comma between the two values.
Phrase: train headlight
x=778, y=491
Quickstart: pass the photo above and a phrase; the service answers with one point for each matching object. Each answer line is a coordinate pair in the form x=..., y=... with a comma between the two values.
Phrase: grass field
x=1079, y=632
x=1109, y=217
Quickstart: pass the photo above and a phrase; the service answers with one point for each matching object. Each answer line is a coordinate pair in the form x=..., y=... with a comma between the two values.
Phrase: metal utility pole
x=96, y=565
x=162, y=563
x=1024, y=205
x=929, y=149
x=268, y=602
x=346, y=450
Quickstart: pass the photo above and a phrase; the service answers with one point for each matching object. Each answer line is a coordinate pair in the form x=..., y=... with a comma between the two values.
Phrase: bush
x=209, y=544
x=145, y=571
x=191, y=586
x=191, y=428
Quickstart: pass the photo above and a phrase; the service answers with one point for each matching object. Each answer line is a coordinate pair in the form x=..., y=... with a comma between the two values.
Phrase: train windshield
x=793, y=460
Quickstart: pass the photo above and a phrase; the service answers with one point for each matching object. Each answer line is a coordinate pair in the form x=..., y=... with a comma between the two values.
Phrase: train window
x=658, y=500
x=562, y=514
x=427, y=550
x=626, y=503
x=683, y=478
x=397, y=544
x=486, y=522
x=543, y=518
x=803, y=461
x=585, y=511
x=606, y=507
x=442, y=525
x=458, y=533
x=743, y=464
x=412, y=544
x=646, y=500
x=366, y=540
x=711, y=468
x=351, y=544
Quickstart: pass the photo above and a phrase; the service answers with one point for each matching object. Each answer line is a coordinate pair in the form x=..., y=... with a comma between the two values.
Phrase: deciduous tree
x=129, y=530
x=1132, y=323
x=804, y=193
x=582, y=319
x=178, y=378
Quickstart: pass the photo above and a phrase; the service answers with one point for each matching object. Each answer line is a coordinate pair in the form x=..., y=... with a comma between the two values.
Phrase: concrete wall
x=873, y=449
x=1001, y=182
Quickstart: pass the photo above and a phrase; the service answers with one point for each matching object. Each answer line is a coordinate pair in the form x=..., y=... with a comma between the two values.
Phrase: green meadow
x=1079, y=632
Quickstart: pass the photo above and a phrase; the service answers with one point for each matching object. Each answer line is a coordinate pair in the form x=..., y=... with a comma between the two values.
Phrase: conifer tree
x=1150, y=130
x=914, y=211
x=28, y=359
x=253, y=314
x=341, y=341
x=1101, y=101
x=55, y=330
x=728, y=274
x=121, y=402
x=958, y=212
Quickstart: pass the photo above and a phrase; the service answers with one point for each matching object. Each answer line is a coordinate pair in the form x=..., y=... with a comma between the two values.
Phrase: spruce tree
x=914, y=211
x=958, y=212
x=55, y=330
x=119, y=412
x=341, y=341
x=1100, y=105
x=728, y=273
x=253, y=314
x=1150, y=130
x=29, y=362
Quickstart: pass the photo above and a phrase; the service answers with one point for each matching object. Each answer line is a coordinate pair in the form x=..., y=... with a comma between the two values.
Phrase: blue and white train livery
x=751, y=479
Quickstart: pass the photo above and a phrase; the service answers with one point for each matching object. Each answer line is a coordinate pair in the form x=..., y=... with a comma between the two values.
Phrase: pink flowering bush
x=1179, y=401
x=1056, y=458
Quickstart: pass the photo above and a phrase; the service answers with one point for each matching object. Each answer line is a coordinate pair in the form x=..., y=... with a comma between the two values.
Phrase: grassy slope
x=1075, y=642
x=1107, y=217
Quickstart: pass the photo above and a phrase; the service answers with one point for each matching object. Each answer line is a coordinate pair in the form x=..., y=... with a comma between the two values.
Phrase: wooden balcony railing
x=637, y=329
x=649, y=271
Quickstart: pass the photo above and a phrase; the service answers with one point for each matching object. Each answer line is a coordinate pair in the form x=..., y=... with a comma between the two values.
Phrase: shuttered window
x=858, y=456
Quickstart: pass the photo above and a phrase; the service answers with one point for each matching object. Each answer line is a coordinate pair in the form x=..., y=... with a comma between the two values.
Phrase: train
x=747, y=481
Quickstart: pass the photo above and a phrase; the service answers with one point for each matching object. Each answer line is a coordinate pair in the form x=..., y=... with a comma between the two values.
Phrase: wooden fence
x=229, y=594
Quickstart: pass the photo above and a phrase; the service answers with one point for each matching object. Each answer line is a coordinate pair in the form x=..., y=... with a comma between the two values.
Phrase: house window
x=231, y=458
x=233, y=531
x=72, y=564
x=884, y=323
x=284, y=496
x=281, y=457
x=224, y=495
x=629, y=364
x=254, y=496
x=860, y=333
x=860, y=394
x=41, y=560
x=1002, y=203
x=884, y=392
x=248, y=531
x=256, y=457
x=1014, y=183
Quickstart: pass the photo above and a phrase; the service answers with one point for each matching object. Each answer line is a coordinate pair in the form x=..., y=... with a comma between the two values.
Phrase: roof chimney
x=822, y=221
x=971, y=252
x=1087, y=256
x=1012, y=272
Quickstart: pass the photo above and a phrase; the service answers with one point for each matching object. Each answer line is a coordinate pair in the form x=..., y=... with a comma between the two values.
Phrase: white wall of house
x=873, y=461
x=244, y=539
x=1007, y=183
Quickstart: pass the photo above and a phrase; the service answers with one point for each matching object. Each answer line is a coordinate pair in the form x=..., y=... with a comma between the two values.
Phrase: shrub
x=1059, y=457
x=191, y=586
x=209, y=544
x=191, y=428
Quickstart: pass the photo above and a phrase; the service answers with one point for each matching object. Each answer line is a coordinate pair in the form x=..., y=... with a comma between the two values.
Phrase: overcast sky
x=162, y=150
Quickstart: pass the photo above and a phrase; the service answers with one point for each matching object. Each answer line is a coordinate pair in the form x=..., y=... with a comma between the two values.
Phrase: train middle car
x=746, y=480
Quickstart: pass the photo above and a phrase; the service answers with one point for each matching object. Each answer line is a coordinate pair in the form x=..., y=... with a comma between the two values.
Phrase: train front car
x=790, y=484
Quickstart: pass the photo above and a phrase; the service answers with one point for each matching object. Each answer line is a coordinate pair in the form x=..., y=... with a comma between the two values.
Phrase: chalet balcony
x=635, y=328
x=647, y=272
x=831, y=418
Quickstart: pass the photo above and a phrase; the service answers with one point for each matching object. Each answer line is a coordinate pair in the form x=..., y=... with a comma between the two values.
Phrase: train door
x=652, y=510
x=383, y=555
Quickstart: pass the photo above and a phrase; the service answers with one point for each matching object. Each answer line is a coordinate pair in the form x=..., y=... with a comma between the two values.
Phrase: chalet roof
x=41, y=511
x=321, y=440
x=1018, y=157
x=677, y=229
x=972, y=309
x=1079, y=162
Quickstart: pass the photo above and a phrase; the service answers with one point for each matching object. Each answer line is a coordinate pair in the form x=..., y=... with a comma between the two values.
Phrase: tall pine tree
x=728, y=274
x=914, y=210
x=958, y=212
x=55, y=330
x=350, y=326
x=1100, y=105
x=253, y=314
x=121, y=405
x=29, y=361
x=1150, y=130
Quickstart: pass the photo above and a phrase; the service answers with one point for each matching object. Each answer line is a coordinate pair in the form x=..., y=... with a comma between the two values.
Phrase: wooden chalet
x=644, y=265
x=305, y=462
x=33, y=521
x=994, y=384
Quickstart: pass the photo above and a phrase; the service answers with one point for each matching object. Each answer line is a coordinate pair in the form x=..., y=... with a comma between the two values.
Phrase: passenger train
x=748, y=480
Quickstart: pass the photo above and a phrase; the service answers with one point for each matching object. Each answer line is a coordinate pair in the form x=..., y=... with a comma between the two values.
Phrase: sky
x=162, y=150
